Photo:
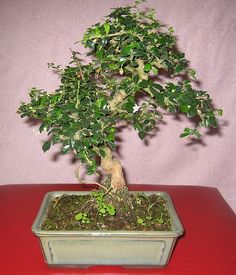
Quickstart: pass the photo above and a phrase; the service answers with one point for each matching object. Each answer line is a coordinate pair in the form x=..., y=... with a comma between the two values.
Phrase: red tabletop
x=207, y=247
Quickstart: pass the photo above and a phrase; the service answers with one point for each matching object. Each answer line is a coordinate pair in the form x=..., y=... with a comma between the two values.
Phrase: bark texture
x=112, y=167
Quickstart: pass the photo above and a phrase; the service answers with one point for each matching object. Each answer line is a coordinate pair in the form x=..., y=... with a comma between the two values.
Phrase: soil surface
x=102, y=210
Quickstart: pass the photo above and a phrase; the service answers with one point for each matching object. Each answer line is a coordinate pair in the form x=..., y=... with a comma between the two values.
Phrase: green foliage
x=150, y=205
x=82, y=217
x=190, y=132
x=104, y=208
x=141, y=221
x=129, y=50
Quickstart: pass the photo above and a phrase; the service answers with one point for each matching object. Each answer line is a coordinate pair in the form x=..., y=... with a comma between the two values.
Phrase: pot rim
x=177, y=228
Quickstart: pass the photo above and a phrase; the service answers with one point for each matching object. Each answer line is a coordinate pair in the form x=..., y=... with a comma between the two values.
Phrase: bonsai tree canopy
x=122, y=85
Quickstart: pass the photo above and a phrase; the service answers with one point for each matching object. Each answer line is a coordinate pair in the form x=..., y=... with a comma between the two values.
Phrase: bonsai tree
x=121, y=85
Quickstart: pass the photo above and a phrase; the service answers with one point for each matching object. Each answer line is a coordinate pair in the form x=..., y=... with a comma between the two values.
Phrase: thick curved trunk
x=112, y=167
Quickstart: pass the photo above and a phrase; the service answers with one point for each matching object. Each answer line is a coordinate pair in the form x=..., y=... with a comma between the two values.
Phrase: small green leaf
x=196, y=133
x=179, y=68
x=111, y=210
x=192, y=74
x=107, y=27
x=184, y=108
x=187, y=130
x=126, y=50
x=141, y=135
x=154, y=70
x=79, y=216
x=136, y=79
x=140, y=221
x=129, y=105
x=101, y=102
x=143, y=84
x=100, y=53
x=187, y=85
x=171, y=30
x=43, y=127
x=190, y=132
x=147, y=67
x=111, y=137
x=91, y=169
x=160, y=220
x=183, y=135
x=186, y=133
x=102, y=210
x=46, y=146
x=97, y=31
x=113, y=66
x=220, y=112
x=65, y=149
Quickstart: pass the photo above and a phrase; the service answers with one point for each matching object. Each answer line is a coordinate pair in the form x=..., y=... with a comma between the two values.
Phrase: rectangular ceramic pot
x=125, y=248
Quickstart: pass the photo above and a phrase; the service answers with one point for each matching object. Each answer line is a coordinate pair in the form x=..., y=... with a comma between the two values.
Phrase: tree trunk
x=112, y=167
